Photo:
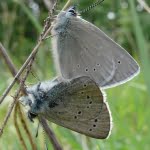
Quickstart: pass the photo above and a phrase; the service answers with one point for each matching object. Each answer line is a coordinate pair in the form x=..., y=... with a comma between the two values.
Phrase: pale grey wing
x=79, y=105
x=86, y=50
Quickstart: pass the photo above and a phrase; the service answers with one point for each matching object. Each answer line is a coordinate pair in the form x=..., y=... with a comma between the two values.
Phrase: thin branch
x=13, y=71
x=15, y=100
x=34, y=51
x=8, y=61
x=13, y=103
x=50, y=18
x=18, y=130
x=145, y=5
x=25, y=128
x=48, y=131
x=10, y=110
x=67, y=5
x=49, y=4
x=10, y=64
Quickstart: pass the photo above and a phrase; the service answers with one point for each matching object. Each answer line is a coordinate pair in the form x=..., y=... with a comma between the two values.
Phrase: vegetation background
x=128, y=23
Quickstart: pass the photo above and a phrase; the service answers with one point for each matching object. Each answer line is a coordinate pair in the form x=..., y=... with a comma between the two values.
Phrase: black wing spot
x=86, y=69
x=94, y=125
x=86, y=48
x=88, y=107
x=94, y=69
x=119, y=61
x=95, y=120
x=85, y=85
x=79, y=112
x=82, y=92
x=78, y=66
x=90, y=129
x=98, y=64
x=88, y=96
x=52, y=104
x=90, y=102
x=75, y=117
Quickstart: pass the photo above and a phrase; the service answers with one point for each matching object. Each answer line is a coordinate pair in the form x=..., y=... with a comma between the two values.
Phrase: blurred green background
x=128, y=23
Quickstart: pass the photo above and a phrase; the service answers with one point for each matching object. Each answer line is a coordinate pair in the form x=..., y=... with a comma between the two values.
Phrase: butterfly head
x=33, y=101
x=72, y=11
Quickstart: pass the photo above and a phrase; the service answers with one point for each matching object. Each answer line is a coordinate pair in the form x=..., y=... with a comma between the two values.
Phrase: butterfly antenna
x=46, y=146
x=35, y=76
x=37, y=131
x=91, y=6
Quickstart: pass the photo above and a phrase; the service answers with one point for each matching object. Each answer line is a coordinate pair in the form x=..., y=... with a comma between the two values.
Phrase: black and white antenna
x=91, y=6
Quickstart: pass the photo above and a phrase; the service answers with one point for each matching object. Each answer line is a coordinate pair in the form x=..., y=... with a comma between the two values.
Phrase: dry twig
x=67, y=5
x=49, y=4
x=11, y=108
x=13, y=71
x=144, y=5
x=23, y=121
x=33, y=53
x=18, y=130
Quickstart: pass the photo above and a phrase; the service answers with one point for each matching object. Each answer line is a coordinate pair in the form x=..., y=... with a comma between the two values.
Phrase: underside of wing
x=81, y=107
x=86, y=50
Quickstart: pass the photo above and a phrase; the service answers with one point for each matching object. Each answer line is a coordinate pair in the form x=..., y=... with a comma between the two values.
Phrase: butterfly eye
x=31, y=116
x=72, y=11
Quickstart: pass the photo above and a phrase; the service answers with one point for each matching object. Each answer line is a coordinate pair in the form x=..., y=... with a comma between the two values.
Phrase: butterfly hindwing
x=79, y=106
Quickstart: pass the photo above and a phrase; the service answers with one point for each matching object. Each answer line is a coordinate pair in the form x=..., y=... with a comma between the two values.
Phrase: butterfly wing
x=79, y=105
x=84, y=49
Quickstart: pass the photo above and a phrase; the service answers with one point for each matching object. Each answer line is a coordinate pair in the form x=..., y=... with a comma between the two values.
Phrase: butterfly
x=82, y=49
x=78, y=104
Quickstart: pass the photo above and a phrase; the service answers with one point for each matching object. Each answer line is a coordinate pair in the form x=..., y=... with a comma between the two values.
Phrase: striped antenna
x=91, y=6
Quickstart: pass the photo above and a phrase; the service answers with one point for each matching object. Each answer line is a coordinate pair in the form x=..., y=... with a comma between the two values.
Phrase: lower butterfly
x=77, y=104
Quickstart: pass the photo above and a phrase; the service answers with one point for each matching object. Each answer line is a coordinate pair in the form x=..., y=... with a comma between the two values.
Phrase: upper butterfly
x=80, y=48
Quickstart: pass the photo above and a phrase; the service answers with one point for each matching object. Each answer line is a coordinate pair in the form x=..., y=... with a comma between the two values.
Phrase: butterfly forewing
x=86, y=50
x=80, y=106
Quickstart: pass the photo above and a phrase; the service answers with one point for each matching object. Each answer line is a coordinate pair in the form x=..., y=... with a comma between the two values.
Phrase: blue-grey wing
x=85, y=50
x=80, y=106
